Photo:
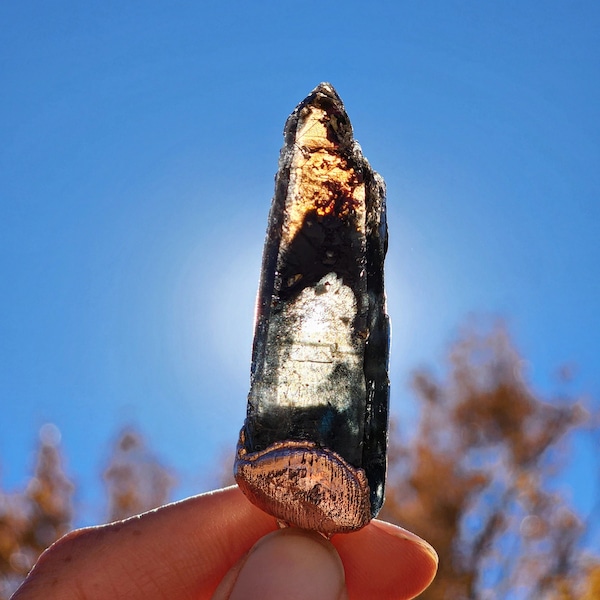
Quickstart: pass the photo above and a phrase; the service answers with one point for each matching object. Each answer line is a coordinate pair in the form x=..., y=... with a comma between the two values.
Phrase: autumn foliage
x=477, y=479
x=34, y=518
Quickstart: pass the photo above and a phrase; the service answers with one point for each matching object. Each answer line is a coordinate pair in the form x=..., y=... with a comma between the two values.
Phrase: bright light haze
x=139, y=145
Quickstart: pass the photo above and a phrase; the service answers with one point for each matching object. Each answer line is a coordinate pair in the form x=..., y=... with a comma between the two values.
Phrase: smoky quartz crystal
x=312, y=451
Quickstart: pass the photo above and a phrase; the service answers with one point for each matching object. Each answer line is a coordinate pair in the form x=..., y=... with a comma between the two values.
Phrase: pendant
x=312, y=451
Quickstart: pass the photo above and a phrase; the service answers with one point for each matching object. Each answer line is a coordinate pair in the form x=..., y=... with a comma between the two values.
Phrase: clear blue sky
x=138, y=147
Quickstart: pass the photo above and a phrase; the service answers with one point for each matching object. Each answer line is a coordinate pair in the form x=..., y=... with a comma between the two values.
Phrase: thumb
x=289, y=563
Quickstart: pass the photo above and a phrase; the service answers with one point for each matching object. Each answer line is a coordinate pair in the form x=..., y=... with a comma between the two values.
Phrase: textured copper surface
x=309, y=487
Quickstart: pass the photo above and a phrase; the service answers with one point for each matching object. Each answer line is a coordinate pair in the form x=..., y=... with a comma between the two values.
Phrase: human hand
x=214, y=545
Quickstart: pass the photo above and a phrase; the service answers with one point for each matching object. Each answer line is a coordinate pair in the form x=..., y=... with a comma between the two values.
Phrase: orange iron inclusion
x=312, y=451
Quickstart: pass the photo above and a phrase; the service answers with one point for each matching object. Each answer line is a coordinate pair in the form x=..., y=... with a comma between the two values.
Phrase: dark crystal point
x=312, y=451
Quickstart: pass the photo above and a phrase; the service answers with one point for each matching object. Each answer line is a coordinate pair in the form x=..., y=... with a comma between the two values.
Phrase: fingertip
x=385, y=561
x=290, y=563
x=421, y=546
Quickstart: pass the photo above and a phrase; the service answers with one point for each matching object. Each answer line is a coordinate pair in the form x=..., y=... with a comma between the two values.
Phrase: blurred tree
x=475, y=480
x=592, y=583
x=135, y=480
x=31, y=520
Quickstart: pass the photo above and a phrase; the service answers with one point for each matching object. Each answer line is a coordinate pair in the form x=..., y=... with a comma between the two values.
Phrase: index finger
x=183, y=550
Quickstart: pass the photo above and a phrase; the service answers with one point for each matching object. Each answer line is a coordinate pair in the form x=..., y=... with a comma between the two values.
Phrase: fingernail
x=294, y=564
x=400, y=532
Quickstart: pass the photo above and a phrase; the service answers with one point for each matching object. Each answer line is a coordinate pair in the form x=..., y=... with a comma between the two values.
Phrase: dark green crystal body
x=313, y=448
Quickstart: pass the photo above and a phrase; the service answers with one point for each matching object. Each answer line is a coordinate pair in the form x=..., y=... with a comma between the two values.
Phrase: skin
x=218, y=545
